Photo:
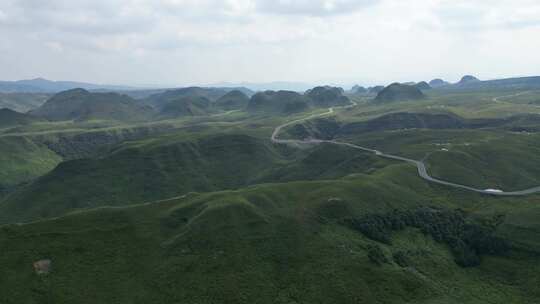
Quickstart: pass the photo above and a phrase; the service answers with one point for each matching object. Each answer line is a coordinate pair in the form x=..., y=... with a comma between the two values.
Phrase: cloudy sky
x=182, y=42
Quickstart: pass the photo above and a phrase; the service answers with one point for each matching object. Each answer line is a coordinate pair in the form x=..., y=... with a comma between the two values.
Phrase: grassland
x=275, y=243
x=253, y=222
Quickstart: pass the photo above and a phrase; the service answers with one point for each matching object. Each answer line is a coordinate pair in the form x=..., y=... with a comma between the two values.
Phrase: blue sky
x=185, y=42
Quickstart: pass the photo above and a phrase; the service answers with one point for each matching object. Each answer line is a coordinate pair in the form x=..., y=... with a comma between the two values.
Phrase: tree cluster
x=467, y=239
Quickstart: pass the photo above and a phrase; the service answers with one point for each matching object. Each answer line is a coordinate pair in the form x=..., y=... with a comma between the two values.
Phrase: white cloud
x=186, y=41
x=312, y=7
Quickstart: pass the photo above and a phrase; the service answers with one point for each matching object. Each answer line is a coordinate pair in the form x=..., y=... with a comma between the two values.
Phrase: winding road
x=420, y=165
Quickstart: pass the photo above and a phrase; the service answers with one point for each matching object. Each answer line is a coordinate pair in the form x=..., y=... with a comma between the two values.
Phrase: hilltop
x=437, y=83
x=166, y=166
x=9, y=118
x=82, y=105
x=396, y=92
x=234, y=100
x=280, y=102
x=159, y=100
x=468, y=79
x=185, y=106
x=327, y=96
x=423, y=86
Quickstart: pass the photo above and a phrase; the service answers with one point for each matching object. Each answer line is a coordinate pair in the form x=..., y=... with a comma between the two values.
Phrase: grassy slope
x=22, y=160
x=273, y=243
x=171, y=165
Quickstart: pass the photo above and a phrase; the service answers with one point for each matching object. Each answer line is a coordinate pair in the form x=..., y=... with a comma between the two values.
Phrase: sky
x=197, y=42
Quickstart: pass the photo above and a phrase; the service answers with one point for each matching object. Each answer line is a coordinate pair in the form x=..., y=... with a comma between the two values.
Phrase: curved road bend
x=420, y=165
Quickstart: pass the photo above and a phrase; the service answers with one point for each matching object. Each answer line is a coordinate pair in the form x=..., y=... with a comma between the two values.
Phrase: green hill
x=159, y=100
x=23, y=160
x=10, y=118
x=375, y=90
x=278, y=102
x=149, y=170
x=185, y=106
x=327, y=97
x=437, y=83
x=423, y=86
x=278, y=243
x=397, y=92
x=234, y=100
x=82, y=105
x=468, y=80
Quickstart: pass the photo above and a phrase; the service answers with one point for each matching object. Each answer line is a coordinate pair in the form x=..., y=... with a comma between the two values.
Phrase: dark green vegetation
x=145, y=171
x=467, y=240
x=288, y=102
x=327, y=97
x=268, y=244
x=81, y=105
x=396, y=92
x=186, y=106
x=280, y=102
x=10, y=118
x=203, y=208
x=160, y=100
x=234, y=100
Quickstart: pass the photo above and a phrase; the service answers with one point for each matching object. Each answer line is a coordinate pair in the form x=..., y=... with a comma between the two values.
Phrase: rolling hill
x=281, y=243
x=154, y=169
x=327, y=96
x=185, y=106
x=10, y=118
x=159, y=100
x=397, y=92
x=82, y=105
x=280, y=102
x=234, y=100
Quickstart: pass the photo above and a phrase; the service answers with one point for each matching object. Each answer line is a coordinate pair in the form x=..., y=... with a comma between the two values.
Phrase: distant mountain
x=278, y=102
x=267, y=86
x=375, y=90
x=468, y=79
x=358, y=90
x=22, y=102
x=81, y=105
x=397, y=91
x=524, y=83
x=234, y=100
x=40, y=85
x=186, y=106
x=159, y=100
x=423, y=86
x=327, y=96
x=437, y=83
x=10, y=118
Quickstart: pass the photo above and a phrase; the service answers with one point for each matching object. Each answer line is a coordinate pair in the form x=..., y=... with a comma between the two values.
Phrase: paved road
x=498, y=99
x=422, y=170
